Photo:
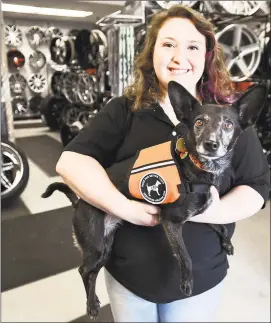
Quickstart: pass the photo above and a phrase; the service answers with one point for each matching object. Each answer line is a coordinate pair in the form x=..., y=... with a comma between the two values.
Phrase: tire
x=17, y=176
x=51, y=111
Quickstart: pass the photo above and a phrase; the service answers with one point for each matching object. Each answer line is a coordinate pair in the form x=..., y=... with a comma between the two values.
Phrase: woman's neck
x=166, y=101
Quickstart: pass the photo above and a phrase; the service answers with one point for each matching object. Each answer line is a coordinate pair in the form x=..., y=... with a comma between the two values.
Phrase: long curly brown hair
x=216, y=84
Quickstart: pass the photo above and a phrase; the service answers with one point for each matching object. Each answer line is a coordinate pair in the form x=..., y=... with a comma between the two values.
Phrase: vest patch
x=153, y=188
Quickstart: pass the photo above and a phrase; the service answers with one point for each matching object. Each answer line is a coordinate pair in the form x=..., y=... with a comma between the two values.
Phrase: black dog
x=209, y=133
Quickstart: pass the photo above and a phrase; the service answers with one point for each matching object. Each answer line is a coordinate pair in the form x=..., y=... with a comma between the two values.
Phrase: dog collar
x=183, y=153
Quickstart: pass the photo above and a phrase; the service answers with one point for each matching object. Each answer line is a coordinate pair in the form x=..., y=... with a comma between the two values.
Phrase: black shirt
x=141, y=258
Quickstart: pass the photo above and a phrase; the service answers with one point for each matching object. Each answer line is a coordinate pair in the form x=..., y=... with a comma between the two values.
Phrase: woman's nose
x=179, y=55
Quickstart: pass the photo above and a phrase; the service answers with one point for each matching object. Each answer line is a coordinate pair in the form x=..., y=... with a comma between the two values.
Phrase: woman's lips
x=178, y=71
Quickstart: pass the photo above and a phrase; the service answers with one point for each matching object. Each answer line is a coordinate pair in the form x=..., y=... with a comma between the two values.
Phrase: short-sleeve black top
x=141, y=258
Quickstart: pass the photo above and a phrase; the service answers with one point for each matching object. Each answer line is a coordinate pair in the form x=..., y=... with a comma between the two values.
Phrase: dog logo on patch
x=153, y=188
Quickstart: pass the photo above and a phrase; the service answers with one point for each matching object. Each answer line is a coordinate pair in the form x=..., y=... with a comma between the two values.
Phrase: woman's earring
x=202, y=80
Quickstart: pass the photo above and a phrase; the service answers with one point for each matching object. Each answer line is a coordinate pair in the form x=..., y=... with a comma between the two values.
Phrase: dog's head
x=212, y=130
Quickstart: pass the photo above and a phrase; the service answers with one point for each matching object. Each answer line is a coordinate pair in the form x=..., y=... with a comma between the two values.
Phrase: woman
x=142, y=276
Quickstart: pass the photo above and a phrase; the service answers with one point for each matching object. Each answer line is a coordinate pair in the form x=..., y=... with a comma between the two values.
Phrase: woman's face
x=179, y=54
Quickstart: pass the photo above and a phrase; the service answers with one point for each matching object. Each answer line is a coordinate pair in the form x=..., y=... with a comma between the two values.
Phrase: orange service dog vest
x=154, y=176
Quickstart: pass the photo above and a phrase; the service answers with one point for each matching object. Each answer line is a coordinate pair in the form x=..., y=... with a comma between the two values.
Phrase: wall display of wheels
x=37, y=60
x=52, y=32
x=70, y=114
x=35, y=103
x=13, y=36
x=16, y=59
x=76, y=87
x=14, y=172
x=62, y=50
x=168, y=4
x=51, y=111
x=84, y=45
x=37, y=82
x=242, y=8
x=17, y=83
x=91, y=46
x=19, y=106
x=70, y=85
x=246, y=8
x=57, y=83
x=35, y=36
x=87, y=88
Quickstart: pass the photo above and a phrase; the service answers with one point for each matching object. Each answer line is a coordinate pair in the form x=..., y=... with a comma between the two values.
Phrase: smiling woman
x=142, y=275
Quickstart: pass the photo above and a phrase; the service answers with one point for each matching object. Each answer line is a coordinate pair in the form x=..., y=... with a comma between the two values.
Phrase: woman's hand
x=212, y=210
x=140, y=213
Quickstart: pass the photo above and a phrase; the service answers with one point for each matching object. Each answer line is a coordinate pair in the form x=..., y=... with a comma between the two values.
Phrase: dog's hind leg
x=174, y=234
x=90, y=276
x=89, y=271
x=222, y=232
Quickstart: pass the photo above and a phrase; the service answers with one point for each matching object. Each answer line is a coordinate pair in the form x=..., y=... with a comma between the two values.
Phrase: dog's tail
x=62, y=188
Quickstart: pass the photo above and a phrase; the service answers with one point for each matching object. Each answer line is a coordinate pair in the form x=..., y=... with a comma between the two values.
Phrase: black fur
x=94, y=230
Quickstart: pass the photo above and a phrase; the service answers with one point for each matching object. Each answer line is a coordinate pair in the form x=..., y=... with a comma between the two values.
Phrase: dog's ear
x=181, y=100
x=250, y=104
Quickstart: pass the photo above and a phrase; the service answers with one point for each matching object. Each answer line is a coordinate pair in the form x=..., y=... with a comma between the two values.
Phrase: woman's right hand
x=140, y=213
x=90, y=182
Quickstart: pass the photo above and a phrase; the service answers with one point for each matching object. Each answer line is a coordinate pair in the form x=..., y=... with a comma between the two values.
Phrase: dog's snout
x=211, y=145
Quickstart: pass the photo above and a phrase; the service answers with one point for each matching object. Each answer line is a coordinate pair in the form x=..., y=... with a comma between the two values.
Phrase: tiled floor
x=40, y=281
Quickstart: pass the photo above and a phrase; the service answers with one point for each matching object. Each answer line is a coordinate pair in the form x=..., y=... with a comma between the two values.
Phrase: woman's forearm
x=240, y=203
x=88, y=179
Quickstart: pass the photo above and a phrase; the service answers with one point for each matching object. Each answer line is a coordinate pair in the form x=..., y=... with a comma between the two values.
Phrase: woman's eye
x=192, y=47
x=228, y=124
x=170, y=45
x=198, y=123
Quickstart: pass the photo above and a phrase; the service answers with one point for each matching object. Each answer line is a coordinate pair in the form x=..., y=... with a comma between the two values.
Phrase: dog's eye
x=198, y=123
x=228, y=124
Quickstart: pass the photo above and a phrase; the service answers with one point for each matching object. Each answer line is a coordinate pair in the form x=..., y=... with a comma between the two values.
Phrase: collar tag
x=181, y=149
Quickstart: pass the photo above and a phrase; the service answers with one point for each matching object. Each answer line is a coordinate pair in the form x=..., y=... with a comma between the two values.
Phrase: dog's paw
x=228, y=247
x=187, y=286
x=93, y=307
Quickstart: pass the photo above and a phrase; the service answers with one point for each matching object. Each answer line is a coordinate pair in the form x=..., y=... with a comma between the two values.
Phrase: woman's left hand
x=212, y=210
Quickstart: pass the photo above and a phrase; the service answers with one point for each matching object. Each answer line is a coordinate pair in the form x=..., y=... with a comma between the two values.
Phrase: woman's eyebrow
x=171, y=38
x=196, y=41
x=190, y=41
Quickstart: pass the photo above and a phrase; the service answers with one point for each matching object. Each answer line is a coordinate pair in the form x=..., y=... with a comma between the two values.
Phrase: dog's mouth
x=209, y=156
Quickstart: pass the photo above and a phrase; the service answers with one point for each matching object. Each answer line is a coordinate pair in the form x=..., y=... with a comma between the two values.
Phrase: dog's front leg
x=174, y=234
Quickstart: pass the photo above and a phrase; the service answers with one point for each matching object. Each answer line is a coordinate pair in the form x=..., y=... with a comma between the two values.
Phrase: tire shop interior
x=58, y=70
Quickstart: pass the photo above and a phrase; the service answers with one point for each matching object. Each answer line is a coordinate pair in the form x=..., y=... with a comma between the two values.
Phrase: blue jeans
x=127, y=307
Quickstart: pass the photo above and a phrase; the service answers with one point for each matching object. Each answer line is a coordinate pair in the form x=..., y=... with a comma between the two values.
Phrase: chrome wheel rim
x=17, y=83
x=70, y=85
x=37, y=83
x=168, y=4
x=242, y=51
x=87, y=86
x=13, y=35
x=12, y=168
x=245, y=8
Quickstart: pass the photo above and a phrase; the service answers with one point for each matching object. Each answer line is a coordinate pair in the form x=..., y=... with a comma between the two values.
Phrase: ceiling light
x=45, y=11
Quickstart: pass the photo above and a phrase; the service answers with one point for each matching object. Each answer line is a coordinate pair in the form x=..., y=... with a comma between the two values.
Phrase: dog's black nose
x=210, y=145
